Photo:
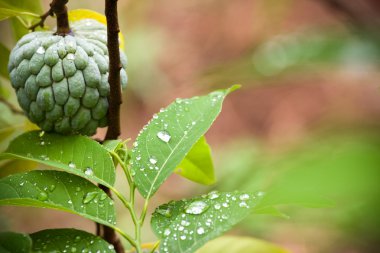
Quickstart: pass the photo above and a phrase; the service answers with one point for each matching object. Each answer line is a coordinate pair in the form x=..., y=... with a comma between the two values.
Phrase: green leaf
x=58, y=190
x=186, y=225
x=79, y=155
x=68, y=240
x=6, y=13
x=18, y=24
x=239, y=244
x=31, y=6
x=11, y=242
x=169, y=136
x=197, y=165
x=4, y=52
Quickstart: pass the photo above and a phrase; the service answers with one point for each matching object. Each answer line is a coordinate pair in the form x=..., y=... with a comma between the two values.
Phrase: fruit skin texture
x=62, y=82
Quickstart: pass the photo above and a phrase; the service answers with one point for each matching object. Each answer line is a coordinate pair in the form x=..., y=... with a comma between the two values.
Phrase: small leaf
x=239, y=244
x=197, y=165
x=14, y=242
x=169, y=136
x=186, y=225
x=57, y=190
x=79, y=155
x=112, y=145
x=69, y=240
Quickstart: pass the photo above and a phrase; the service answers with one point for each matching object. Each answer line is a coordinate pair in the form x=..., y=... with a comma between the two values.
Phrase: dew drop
x=69, y=202
x=200, y=231
x=217, y=206
x=164, y=210
x=243, y=204
x=213, y=195
x=89, y=197
x=88, y=171
x=164, y=136
x=185, y=223
x=42, y=196
x=183, y=237
x=72, y=165
x=52, y=187
x=167, y=232
x=244, y=197
x=196, y=207
x=153, y=160
x=103, y=196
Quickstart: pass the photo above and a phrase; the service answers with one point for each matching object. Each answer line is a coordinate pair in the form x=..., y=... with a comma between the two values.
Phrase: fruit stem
x=60, y=10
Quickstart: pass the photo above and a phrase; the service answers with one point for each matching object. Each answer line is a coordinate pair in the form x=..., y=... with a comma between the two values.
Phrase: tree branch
x=114, y=100
x=59, y=9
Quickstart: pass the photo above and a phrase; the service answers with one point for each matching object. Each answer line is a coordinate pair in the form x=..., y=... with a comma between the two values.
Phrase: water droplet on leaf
x=200, y=231
x=42, y=196
x=88, y=171
x=164, y=136
x=196, y=207
x=89, y=197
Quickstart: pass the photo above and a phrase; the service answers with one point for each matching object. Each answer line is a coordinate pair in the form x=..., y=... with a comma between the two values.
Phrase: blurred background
x=304, y=128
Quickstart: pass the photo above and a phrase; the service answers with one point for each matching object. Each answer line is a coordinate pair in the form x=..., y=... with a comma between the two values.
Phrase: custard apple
x=62, y=82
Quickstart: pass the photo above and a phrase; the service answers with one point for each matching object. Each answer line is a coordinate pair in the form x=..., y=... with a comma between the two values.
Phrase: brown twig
x=10, y=106
x=43, y=17
x=59, y=9
x=114, y=99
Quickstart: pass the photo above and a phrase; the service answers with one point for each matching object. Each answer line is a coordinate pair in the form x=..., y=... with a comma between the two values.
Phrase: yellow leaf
x=79, y=14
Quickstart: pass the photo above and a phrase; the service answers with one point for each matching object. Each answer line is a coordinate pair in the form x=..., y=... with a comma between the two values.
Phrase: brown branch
x=43, y=17
x=115, y=98
x=115, y=101
x=11, y=106
x=59, y=9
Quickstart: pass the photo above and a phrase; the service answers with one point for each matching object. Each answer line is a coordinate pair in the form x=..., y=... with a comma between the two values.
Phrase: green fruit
x=62, y=82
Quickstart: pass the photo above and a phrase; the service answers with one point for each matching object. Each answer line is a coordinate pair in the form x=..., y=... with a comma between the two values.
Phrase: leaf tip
x=233, y=88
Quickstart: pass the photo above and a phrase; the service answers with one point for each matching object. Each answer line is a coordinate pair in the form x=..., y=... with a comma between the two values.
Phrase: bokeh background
x=304, y=127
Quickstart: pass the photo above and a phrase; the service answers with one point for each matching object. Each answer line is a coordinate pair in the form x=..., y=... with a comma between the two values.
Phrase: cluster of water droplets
x=201, y=216
x=72, y=244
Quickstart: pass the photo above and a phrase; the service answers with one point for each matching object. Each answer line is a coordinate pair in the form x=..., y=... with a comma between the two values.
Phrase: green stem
x=126, y=236
x=155, y=246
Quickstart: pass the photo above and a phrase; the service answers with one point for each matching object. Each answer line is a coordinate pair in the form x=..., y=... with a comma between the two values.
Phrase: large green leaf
x=19, y=28
x=197, y=165
x=58, y=190
x=79, y=155
x=186, y=225
x=68, y=240
x=11, y=242
x=239, y=244
x=168, y=137
x=4, y=52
